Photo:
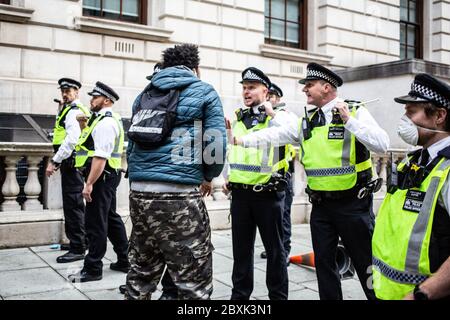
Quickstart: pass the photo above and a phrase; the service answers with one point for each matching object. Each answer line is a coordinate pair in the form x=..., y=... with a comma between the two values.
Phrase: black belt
x=250, y=187
x=84, y=171
x=360, y=191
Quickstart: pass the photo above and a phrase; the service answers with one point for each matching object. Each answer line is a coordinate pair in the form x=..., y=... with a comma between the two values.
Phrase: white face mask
x=409, y=131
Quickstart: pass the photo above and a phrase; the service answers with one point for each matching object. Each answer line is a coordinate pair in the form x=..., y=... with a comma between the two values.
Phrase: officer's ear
x=441, y=117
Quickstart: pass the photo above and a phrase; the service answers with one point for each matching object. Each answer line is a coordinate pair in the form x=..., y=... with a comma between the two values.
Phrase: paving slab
x=299, y=274
x=221, y=264
x=50, y=258
x=220, y=290
x=351, y=289
x=111, y=280
x=259, y=282
x=109, y=294
x=220, y=241
x=305, y=294
x=29, y=281
x=17, y=259
x=46, y=248
x=64, y=294
x=228, y=252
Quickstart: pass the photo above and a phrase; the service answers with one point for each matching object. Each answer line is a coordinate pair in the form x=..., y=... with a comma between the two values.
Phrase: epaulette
x=108, y=114
x=445, y=153
x=312, y=111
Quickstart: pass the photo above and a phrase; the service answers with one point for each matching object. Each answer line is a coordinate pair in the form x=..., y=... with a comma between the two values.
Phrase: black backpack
x=154, y=117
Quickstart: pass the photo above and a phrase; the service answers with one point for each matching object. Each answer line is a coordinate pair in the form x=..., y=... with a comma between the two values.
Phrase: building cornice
x=15, y=14
x=395, y=68
x=285, y=53
x=121, y=29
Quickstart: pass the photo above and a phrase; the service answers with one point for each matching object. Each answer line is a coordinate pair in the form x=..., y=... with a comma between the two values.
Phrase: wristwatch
x=419, y=294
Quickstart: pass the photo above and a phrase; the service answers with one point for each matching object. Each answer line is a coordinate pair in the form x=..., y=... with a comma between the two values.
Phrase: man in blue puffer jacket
x=170, y=221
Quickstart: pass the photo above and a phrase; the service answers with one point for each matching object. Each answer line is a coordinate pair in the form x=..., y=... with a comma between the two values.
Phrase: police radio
x=306, y=126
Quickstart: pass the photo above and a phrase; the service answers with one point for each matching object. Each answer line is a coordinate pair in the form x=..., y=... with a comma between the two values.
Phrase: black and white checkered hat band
x=251, y=76
x=429, y=94
x=68, y=84
x=319, y=74
x=104, y=93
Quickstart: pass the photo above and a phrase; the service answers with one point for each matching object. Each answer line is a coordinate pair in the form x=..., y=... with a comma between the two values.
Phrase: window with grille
x=411, y=26
x=285, y=23
x=134, y=11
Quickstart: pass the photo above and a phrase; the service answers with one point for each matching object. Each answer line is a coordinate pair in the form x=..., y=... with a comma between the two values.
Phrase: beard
x=96, y=108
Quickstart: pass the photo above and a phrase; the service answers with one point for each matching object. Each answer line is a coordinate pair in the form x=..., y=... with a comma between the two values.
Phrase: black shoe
x=84, y=276
x=120, y=266
x=123, y=289
x=64, y=247
x=263, y=255
x=167, y=296
x=70, y=257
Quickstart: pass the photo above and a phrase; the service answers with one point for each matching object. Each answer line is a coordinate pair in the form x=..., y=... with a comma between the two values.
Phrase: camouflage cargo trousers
x=173, y=230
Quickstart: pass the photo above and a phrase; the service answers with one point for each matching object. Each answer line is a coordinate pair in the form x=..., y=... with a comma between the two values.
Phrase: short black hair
x=181, y=55
x=431, y=109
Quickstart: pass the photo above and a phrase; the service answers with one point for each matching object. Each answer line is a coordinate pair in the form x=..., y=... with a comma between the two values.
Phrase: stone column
x=32, y=187
x=383, y=173
x=10, y=188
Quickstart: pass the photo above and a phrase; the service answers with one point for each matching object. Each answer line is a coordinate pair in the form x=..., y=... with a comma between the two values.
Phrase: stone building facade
x=42, y=40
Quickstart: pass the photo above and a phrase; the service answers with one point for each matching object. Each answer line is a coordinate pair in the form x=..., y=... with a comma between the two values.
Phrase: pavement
x=33, y=274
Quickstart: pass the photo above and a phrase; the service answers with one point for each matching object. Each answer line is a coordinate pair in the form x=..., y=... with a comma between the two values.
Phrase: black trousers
x=251, y=210
x=352, y=220
x=102, y=222
x=73, y=206
x=287, y=226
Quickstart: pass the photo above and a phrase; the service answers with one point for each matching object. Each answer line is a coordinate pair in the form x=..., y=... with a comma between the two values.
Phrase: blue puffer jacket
x=181, y=160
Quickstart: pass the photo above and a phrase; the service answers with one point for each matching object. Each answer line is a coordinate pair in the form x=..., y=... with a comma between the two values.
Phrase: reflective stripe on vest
x=397, y=275
x=401, y=237
x=329, y=158
x=254, y=165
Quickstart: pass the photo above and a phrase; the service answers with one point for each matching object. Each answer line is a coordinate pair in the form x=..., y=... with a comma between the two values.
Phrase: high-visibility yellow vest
x=85, y=146
x=401, y=239
x=59, y=130
x=254, y=166
x=329, y=158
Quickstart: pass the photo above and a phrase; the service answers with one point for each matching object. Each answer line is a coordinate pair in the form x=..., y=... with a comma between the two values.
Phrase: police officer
x=335, y=146
x=256, y=202
x=411, y=242
x=98, y=155
x=275, y=95
x=65, y=136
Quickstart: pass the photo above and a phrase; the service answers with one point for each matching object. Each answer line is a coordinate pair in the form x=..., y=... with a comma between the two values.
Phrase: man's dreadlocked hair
x=183, y=54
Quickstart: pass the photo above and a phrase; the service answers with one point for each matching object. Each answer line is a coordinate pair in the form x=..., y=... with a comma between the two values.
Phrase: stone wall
x=359, y=32
x=57, y=41
x=440, y=20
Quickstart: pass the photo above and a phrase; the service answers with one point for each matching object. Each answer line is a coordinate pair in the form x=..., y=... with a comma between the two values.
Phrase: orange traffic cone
x=306, y=259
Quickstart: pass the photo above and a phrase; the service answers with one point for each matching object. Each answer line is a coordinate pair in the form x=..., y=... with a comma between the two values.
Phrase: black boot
x=123, y=288
x=85, y=276
x=70, y=257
